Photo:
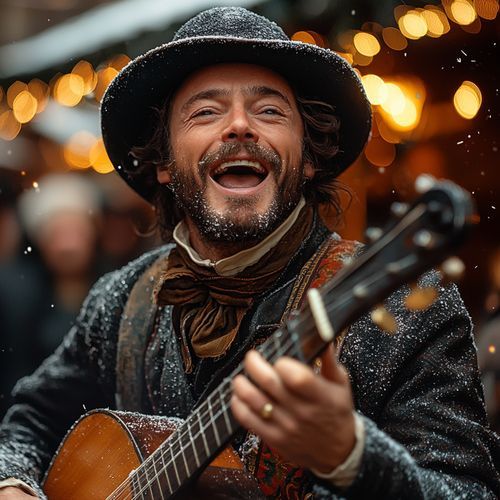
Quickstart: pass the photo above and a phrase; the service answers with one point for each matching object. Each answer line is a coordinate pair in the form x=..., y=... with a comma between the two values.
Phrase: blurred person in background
x=41, y=291
x=10, y=230
x=128, y=223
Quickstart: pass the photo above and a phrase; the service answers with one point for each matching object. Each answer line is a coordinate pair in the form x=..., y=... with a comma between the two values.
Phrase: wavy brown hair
x=320, y=145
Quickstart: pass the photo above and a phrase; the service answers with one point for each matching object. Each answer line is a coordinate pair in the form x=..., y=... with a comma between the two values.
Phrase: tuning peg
x=453, y=269
x=399, y=209
x=424, y=183
x=384, y=320
x=373, y=234
x=420, y=298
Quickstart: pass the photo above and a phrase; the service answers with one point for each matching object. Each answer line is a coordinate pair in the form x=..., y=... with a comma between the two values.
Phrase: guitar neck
x=206, y=432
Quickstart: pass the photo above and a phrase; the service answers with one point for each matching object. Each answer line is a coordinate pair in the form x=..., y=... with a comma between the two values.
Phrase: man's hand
x=14, y=493
x=312, y=421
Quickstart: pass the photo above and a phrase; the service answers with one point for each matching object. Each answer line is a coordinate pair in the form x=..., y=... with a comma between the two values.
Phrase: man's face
x=236, y=142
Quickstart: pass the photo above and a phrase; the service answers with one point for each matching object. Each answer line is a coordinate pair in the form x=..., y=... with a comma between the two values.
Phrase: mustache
x=228, y=150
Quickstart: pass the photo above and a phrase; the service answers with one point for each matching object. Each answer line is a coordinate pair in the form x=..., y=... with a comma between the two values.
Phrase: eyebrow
x=205, y=94
x=257, y=90
x=262, y=90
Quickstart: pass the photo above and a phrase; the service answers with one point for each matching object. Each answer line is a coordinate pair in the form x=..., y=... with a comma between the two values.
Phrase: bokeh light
x=408, y=117
x=86, y=72
x=346, y=39
x=13, y=90
x=40, y=91
x=77, y=150
x=487, y=9
x=303, y=36
x=24, y=106
x=379, y=152
x=467, y=100
x=435, y=24
x=463, y=12
x=105, y=77
x=402, y=106
x=394, y=103
x=375, y=89
x=413, y=25
x=346, y=55
x=366, y=44
x=69, y=89
x=119, y=61
x=99, y=158
x=9, y=126
x=394, y=39
x=361, y=60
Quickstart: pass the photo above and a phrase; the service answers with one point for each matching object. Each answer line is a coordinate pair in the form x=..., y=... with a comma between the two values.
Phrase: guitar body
x=104, y=446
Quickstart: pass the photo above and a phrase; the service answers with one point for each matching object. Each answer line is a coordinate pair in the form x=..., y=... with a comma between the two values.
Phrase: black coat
x=418, y=391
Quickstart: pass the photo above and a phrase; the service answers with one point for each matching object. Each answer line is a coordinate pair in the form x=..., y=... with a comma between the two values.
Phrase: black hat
x=226, y=35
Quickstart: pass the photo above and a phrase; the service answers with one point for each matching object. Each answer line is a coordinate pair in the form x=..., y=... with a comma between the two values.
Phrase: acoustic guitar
x=118, y=455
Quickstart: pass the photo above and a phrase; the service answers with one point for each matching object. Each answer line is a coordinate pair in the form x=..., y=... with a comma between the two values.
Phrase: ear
x=309, y=170
x=163, y=175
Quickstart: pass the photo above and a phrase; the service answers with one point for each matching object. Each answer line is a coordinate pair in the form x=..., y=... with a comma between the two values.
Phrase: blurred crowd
x=56, y=239
x=61, y=234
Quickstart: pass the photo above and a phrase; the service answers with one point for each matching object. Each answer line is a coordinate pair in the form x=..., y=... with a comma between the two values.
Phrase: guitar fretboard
x=201, y=437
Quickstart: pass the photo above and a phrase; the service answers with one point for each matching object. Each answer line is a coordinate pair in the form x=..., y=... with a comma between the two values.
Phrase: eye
x=272, y=111
x=203, y=112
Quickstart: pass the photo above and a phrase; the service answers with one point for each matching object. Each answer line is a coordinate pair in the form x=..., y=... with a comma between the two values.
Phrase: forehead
x=233, y=78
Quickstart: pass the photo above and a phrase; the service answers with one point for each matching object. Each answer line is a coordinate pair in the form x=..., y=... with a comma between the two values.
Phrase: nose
x=239, y=127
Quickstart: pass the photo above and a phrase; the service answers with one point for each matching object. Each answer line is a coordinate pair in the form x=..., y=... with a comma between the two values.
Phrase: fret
x=216, y=432
x=134, y=485
x=184, y=459
x=202, y=429
x=193, y=444
x=179, y=482
x=147, y=486
x=165, y=469
x=157, y=478
x=225, y=410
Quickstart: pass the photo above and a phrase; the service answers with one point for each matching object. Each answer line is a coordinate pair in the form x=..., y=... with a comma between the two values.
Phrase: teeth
x=239, y=163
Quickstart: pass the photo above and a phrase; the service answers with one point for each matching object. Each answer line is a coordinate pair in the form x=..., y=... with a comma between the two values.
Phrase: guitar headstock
x=417, y=238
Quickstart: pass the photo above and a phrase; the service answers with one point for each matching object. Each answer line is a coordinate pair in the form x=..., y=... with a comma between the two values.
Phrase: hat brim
x=128, y=112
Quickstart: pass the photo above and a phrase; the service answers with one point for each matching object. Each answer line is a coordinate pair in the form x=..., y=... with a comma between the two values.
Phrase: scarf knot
x=209, y=308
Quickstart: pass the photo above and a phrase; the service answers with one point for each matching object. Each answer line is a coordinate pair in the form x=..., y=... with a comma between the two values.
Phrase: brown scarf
x=208, y=308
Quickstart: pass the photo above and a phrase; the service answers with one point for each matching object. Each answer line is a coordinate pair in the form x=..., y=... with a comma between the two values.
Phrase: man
x=236, y=134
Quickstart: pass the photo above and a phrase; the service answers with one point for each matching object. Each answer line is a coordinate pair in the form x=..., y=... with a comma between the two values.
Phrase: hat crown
x=230, y=22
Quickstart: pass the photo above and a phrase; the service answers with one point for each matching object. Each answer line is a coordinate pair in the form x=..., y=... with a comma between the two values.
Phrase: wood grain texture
x=105, y=446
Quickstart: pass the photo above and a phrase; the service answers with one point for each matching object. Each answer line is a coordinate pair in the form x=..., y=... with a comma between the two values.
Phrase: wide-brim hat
x=228, y=35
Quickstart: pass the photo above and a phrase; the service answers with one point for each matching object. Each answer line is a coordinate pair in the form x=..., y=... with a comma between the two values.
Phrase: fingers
x=331, y=369
x=264, y=376
x=248, y=403
x=289, y=382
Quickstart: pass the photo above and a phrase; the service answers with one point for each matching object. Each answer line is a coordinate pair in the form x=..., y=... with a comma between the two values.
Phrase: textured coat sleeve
x=421, y=399
x=49, y=401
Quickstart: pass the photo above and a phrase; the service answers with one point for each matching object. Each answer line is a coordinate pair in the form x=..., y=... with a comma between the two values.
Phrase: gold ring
x=266, y=412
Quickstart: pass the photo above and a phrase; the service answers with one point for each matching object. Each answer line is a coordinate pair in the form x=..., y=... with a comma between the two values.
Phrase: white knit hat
x=57, y=193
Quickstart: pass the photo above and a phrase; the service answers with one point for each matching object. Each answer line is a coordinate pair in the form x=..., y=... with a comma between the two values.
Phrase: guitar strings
x=143, y=468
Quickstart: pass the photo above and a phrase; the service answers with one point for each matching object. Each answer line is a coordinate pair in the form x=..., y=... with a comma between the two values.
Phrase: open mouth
x=239, y=174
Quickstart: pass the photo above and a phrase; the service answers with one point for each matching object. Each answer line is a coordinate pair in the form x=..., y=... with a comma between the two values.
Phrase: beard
x=239, y=223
